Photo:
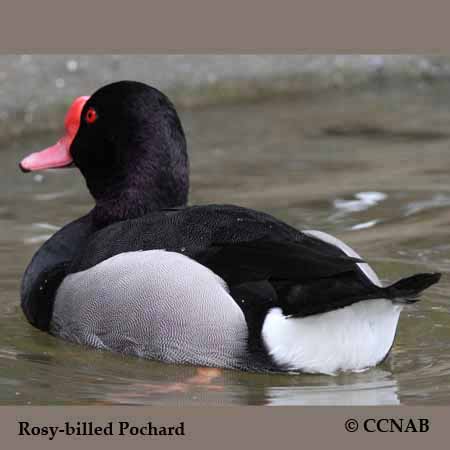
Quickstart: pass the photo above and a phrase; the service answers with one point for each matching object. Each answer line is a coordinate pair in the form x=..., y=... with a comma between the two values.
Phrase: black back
x=242, y=246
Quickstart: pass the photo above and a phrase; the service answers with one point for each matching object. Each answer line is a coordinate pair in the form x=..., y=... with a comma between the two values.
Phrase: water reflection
x=362, y=201
x=370, y=394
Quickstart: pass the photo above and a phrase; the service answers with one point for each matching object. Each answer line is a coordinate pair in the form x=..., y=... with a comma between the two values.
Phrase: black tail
x=320, y=296
x=408, y=289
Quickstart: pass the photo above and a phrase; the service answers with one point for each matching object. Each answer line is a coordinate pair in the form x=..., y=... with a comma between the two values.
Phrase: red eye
x=91, y=115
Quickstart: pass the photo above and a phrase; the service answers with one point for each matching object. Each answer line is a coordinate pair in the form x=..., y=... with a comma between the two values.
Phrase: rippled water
x=371, y=167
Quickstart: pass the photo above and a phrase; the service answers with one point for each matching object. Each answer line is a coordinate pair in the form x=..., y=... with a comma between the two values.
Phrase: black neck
x=129, y=204
x=136, y=193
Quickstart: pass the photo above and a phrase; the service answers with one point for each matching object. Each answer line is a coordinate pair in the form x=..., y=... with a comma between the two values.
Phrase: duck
x=217, y=285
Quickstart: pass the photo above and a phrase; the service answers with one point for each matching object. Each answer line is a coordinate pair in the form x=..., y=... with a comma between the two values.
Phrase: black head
x=129, y=145
x=131, y=149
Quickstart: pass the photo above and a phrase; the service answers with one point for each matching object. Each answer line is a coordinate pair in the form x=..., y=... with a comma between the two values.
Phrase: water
x=371, y=167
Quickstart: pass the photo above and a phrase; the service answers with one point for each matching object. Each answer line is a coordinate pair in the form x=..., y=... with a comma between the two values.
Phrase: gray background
x=43, y=85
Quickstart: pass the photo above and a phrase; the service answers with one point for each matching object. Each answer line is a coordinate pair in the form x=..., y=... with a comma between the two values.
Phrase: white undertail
x=352, y=338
